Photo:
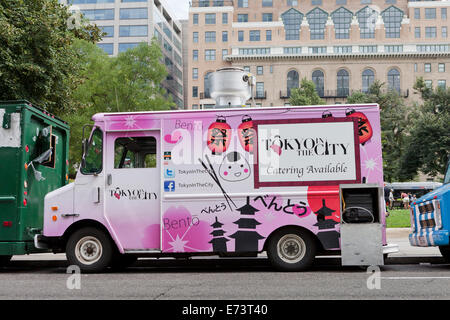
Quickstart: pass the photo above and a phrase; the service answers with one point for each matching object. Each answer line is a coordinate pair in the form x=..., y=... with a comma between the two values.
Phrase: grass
x=398, y=219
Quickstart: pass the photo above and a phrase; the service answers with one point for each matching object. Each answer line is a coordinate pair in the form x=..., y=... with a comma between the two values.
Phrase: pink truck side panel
x=209, y=193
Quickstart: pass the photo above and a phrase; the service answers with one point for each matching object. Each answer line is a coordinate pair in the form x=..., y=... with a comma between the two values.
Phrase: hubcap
x=291, y=248
x=88, y=250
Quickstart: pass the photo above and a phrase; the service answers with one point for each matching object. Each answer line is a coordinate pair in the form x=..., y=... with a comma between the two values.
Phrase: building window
x=342, y=18
x=430, y=32
x=195, y=106
x=253, y=51
x=224, y=53
x=427, y=67
x=203, y=3
x=442, y=84
x=318, y=79
x=210, y=18
x=392, y=18
x=207, y=85
x=125, y=46
x=195, y=37
x=195, y=73
x=195, y=18
x=259, y=70
x=107, y=47
x=441, y=67
x=416, y=67
x=292, y=81
x=341, y=2
x=292, y=3
x=210, y=36
x=343, y=83
x=342, y=49
x=416, y=13
x=444, y=13
x=133, y=13
x=133, y=31
x=393, y=48
x=224, y=36
x=292, y=50
x=444, y=32
x=394, y=80
x=255, y=35
x=430, y=13
x=194, y=92
x=242, y=17
x=267, y=3
x=417, y=32
x=266, y=17
x=195, y=55
x=368, y=77
x=260, y=90
x=433, y=48
x=429, y=83
x=99, y=14
x=292, y=20
x=366, y=1
x=210, y=55
x=367, y=18
x=109, y=30
x=240, y=36
x=317, y=19
x=247, y=69
x=368, y=49
x=224, y=18
x=317, y=50
x=268, y=35
x=243, y=3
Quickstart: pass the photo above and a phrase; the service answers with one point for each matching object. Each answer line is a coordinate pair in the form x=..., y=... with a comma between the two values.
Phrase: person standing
x=391, y=199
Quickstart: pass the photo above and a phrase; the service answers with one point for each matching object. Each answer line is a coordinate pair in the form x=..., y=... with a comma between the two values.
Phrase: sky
x=179, y=8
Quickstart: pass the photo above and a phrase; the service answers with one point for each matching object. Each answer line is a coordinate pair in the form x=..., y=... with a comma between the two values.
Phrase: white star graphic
x=370, y=164
x=178, y=244
x=130, y=122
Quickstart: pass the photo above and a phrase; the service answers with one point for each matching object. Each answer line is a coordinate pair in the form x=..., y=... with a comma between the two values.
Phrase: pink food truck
x=295, y=182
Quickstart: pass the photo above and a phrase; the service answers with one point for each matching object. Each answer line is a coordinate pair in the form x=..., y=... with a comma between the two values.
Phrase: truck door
x=132, y=191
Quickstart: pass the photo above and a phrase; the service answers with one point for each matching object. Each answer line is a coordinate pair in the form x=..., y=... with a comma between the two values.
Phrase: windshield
x=92, y=163
x=447, y=173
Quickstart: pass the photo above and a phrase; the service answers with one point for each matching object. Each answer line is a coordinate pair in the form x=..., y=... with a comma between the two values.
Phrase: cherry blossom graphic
x=130, y=122
x=183, y=232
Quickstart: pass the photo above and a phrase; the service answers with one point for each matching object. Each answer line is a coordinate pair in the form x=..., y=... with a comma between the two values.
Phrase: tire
x=90, y=249
x=291, y=249
x=4, y=260
x=445, y=251
x=122, y=261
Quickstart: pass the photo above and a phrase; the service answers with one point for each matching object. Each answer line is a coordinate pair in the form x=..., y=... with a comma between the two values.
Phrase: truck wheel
x=291, y=250
x=90, y=249
x=4, y=260
x=445, y=251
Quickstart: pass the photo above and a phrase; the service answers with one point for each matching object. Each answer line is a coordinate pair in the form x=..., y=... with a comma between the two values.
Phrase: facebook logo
x=169, y=173
x=169, y=186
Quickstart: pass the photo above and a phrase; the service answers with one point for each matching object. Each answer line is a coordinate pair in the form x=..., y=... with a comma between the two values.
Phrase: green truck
x=34, y=151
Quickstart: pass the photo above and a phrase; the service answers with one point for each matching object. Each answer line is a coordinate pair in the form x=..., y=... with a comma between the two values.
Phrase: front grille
x=425, y=208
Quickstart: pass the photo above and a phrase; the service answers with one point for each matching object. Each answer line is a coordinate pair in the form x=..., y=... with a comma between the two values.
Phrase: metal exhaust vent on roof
x=231, y=87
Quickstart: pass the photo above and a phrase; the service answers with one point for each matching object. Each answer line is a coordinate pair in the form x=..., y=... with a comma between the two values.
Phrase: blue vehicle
x=430, y=218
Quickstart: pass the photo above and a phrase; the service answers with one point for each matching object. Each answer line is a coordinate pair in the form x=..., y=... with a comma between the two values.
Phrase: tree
x=428, y=144
x=394, y=116
x=37, y=61
x=129, y=82
x=306, y=95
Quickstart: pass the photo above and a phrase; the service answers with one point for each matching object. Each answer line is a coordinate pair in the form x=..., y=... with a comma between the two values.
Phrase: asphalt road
x=245, y=279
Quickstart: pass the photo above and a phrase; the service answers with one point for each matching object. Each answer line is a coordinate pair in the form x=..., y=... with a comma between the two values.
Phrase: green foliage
x=394, y=123
x=306, y=95
x=37, y=62
x=428, y=143
x=126, y=83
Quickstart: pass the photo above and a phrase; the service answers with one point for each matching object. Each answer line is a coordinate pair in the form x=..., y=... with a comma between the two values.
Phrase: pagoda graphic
x=329, y=239
x=246, y=238
x=219, y=242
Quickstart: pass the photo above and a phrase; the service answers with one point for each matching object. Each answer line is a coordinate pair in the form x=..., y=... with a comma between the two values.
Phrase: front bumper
x=429, y=238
